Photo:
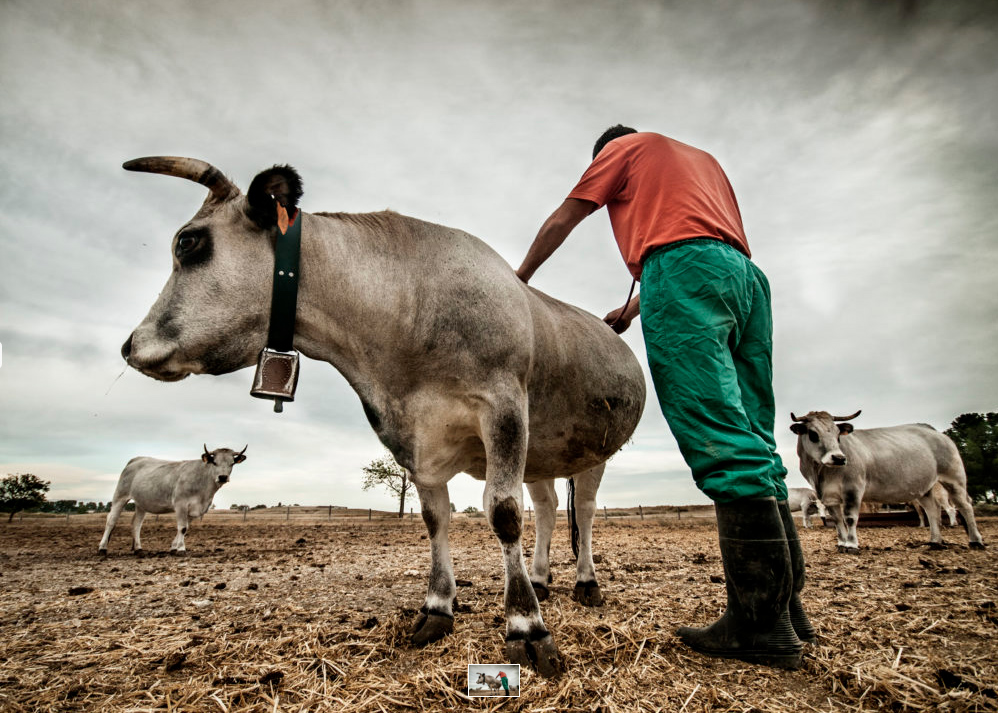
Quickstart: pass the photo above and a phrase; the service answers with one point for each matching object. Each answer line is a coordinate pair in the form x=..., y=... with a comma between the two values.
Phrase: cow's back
x=469, y=313
x=901, y=463
x=151, y=482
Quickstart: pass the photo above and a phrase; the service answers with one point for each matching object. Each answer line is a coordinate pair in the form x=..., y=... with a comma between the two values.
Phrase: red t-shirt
x=659, y=191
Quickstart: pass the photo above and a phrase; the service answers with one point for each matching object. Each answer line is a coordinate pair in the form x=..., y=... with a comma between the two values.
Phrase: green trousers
x=708, y=329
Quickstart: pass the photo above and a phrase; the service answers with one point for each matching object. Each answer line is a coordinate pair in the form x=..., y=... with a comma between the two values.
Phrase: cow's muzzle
x=223, y=479
x=838, y=460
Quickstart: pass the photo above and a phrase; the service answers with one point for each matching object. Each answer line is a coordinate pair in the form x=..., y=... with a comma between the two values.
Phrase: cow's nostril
x=839, y=460
x=126, y=348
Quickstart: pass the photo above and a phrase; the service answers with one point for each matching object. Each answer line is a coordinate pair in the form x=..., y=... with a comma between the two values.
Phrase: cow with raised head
x=459, y=366
x=805, y=501
x=888, y=465
x=185, y=488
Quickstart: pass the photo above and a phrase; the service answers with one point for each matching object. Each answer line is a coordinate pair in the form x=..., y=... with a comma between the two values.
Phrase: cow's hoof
x=588, y=594
x=541, y=591
x=139, y=553
x=978, y=546
x=541, y=655
x=848, y=550
x=937, y=546
x=101, y=552
x=178, y=553
x=429, y=628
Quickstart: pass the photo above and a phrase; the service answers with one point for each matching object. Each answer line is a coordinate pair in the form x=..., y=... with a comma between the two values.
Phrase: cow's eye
x=193, y=246
x=186, y=243
x=813, y=436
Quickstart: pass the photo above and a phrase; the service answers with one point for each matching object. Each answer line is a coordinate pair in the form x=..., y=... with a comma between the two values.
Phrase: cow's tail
x=572, y=522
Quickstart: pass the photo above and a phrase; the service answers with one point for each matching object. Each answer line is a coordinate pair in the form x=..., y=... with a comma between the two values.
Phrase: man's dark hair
x=614, y=132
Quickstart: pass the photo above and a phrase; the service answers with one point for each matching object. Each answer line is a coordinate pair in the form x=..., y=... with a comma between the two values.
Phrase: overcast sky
x=861, y=140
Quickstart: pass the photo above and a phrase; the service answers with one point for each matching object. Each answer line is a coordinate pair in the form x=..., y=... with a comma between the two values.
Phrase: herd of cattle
x=456, y=362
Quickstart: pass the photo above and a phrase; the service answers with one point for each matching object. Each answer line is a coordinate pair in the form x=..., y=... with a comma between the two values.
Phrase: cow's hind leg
x=504, y=432
x=112, y=519
x=587, y=591
x=958, y=495
x=436, y=617
x=932, y=512
x=545, y=500
x=137, y=519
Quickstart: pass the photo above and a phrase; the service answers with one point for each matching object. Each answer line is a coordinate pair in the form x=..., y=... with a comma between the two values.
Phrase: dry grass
x=297, y=616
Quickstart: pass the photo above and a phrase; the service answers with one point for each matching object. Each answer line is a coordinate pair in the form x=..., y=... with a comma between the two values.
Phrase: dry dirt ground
x=295, y=616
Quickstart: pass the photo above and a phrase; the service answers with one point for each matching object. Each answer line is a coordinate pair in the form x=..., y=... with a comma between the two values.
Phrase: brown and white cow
x=896, y=464
x=459, y=366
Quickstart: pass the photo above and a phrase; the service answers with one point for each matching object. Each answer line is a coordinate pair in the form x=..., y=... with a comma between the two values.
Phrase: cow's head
x=224, y=459
x=818, y=434
x=212, y=315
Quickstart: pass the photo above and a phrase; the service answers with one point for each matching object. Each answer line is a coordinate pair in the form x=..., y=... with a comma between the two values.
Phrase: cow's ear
x=280, y=184
x=798, y=428
x=239, y=458
x=845, y=428
x=206, y=458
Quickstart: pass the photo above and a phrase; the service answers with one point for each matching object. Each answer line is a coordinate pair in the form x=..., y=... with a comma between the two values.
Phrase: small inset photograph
x=485, y=679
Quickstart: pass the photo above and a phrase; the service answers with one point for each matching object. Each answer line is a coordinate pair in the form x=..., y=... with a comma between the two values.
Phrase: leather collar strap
x=284, y=298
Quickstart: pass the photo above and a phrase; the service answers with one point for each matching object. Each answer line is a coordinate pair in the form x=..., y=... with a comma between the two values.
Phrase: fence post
x=287, y=515
x=369, y=514
x=605, y=515
x=245, y=509
x=410, y=513
x=329, y=515
x=641, y=512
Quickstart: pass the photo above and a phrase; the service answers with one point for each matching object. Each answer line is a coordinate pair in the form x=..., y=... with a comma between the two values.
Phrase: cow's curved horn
x=244, y=449
x=206, y=449
x=798, y=419
x=190, y=168
x=847, y=418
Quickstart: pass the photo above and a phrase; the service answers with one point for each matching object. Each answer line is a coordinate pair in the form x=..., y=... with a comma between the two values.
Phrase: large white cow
x=185, y=488
x=459, y=366
x=888, y=465
x=806, y=502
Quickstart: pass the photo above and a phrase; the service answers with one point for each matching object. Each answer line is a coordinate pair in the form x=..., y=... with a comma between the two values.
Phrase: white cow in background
x=805, y=501
x=161, y=486
x=887, y=465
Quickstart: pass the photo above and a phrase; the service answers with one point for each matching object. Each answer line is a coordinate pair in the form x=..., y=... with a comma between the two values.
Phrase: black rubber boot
x=798, y=618
x=757, y=572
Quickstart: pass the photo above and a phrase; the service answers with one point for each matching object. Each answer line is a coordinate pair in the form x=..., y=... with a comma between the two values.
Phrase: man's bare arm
x=553, y=233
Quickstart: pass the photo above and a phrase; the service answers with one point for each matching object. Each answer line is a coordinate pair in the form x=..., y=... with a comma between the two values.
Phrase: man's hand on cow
x=620, y=319
x=617, y=321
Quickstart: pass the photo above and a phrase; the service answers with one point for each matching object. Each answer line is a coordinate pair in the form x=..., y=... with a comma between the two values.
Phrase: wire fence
x=345, y=515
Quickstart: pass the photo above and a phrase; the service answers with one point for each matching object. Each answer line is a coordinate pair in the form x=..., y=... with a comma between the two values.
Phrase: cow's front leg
x=545, y=499
x=850, y=516
x=528, y=642
x=587, y=591
x=436, y=617
x=183, y=522
x=835, y=512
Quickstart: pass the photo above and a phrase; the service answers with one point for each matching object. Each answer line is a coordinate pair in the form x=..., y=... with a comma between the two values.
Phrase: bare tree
x=385, y=472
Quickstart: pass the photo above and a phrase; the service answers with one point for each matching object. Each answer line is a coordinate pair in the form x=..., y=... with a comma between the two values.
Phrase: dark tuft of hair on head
x=280, y=184
x=614, y=132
